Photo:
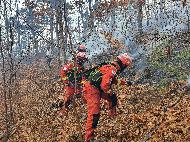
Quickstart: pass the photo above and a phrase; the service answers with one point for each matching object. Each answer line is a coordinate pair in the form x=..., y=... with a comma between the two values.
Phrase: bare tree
x=140, y=17
x=60, y=30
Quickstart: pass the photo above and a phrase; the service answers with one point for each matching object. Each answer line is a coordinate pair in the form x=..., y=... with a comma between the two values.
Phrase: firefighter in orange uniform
x=67, y=76
x=98, y=85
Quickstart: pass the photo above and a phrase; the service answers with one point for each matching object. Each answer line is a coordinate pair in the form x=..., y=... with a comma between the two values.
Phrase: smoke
x=139, y=59
x=188, y=81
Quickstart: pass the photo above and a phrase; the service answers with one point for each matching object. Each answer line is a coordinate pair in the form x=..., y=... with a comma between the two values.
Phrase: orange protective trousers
x=92, y=96
x=70, y=91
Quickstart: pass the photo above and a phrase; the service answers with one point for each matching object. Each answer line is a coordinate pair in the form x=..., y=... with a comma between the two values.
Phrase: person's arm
x=63, y=72
x=108, y=80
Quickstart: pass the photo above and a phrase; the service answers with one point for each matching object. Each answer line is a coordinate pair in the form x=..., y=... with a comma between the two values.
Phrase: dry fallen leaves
x=144, y=112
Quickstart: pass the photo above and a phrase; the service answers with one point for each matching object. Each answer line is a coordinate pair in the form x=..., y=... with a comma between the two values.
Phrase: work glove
x=60, y=107
x=129, y=83
x=62, y=112
x=57, y=105
x=114, y=101
x=68, y=103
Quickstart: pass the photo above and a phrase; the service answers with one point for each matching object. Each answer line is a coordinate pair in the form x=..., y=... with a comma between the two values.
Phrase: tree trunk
x=4, y=85
x=79, y=30
x=57, y=32
x=60, y=32
x=113, y=15
x=188, y=19
x=161, y=15
x=11, y=66
x=3, y=72
x=140, y=18
x=51, y=30
x=81, y=14
x=148, y=12
x=91, y=17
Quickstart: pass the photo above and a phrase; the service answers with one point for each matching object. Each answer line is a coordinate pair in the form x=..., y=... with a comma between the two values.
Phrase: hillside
x=155, y=108
x=38, y=37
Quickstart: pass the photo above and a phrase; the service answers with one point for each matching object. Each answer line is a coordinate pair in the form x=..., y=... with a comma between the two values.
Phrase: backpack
x=94, y=75
x=95, y=78
x=71, y=76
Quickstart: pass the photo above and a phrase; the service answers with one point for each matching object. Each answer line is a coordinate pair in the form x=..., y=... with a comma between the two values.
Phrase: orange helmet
x=82, y=48
x=125, y=59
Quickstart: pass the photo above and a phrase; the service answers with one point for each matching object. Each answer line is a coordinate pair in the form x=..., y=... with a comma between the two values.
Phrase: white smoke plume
x=188, y=81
